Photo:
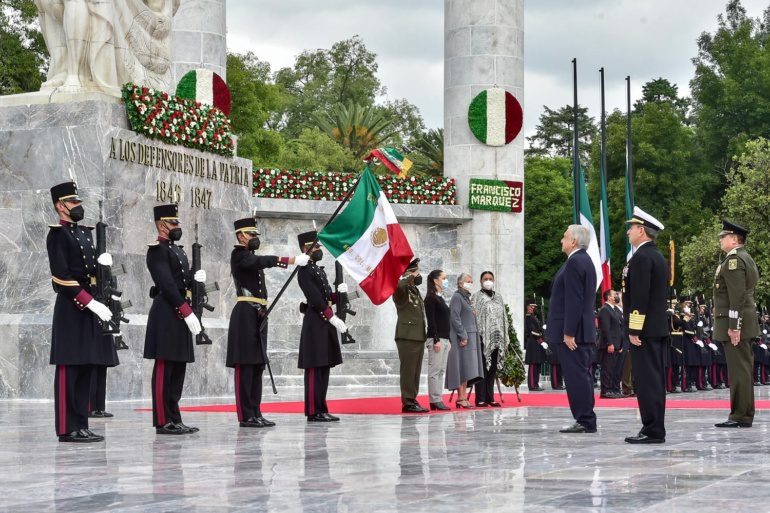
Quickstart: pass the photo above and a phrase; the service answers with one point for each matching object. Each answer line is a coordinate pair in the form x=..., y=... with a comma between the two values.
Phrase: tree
x=662, y=91
x=547, y=213
x=730, y=89
x=747, y=203
x=406, y=121
x=358, y=128
x=554, y=137
x=23, y=55
x=315, y=150
x=428, y=153
x=254, y=101
x=321, y=78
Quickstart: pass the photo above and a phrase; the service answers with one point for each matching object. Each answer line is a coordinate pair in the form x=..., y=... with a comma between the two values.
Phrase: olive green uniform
x=734, y=309
x=410, y=338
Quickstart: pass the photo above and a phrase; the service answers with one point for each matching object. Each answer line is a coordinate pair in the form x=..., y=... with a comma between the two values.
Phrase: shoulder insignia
x=152, y=244
x=732, y=264
x=54, y=226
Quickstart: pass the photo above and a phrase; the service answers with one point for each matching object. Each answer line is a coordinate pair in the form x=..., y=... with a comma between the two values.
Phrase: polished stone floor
x=492, y=460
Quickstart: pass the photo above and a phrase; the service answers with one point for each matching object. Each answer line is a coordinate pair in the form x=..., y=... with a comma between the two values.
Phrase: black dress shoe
x=171, y=429
x=675, y=391
x=733, y=424
x=413, y=408
x=265, y=422
x=439, y=406
x=757, y=384
x=252, y=422
x=721, y=386
x=644, y=439
x=690, y=390
x=708, y=387
x=78, y=437
x=317, y=417
x=188, y=429
x=577, y=428
x=481, y=404
x=332, y=418
x=97, y=438
x=495, y=404
x=537, y=389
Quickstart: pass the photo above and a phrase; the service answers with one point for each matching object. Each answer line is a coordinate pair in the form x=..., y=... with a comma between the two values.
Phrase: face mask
x=488, y=285
x=175, y=234
x=316, y=255
x=468, y=286
x=254, y=244
x=417, y=280
x=76, y=213
x=686, y=310
x=445, y=284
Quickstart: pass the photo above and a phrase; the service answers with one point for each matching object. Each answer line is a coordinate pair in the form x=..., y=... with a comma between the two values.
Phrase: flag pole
x=629, y=163
x=603, y=207
x=575, y=158
x=296, y=268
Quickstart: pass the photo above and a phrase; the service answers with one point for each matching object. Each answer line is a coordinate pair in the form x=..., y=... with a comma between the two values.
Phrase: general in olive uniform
x=535, y=354
x=319, y=344
x=78, y=343
x=171, y=323
x=735, y=321
x=410, y=336
x=246, y=342
x=645, y=287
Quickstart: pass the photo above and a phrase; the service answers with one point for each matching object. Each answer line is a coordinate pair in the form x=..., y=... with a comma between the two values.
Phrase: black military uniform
x=319, y=344
x=246, y=342
x=168, y=340
x=535, y=355
x=692, y=352
x=676, y=380
x=645, y=287
x=78, y=343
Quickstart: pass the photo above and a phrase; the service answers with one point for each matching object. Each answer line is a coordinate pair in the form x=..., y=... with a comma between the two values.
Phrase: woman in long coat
x=464, y=364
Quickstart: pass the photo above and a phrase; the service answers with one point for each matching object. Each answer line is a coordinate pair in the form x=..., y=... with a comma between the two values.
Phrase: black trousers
x=576, y=366
x=98, y=389
x=611, y=371
x=71, y=386
x=248, y=390
x=649, y=362
x=485, y=389
x=533, y=376
x=316, y=386
x=557, y=376
x=167, y=384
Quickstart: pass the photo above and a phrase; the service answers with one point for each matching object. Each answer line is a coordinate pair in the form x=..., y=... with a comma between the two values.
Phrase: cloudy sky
x=644, y=39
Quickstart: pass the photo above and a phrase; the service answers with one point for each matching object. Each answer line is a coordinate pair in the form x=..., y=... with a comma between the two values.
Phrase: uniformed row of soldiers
x=82, y=351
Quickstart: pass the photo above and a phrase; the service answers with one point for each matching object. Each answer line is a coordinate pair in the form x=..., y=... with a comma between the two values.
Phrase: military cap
x=413, y=265
x=67, y=191
x=728, y=228
x=168, y=212
x=643, y=218
x=306, y=238
x=247, y=225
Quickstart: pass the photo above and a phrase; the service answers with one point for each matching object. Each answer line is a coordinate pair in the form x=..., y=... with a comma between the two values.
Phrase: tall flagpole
x=575, y=146
x=629, y=162
x=603, y=162
x=605, y=245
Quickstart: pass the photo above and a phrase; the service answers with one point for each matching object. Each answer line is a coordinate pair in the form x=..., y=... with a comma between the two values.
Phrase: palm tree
x=428, y=153
x=358, y=128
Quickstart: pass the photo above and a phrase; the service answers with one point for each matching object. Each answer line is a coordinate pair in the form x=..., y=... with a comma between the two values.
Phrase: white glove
x=200, y=276
x=544, y=345
x=338, y=323
x=764, y=332
x=763, y=346
x=301, y=260
x=342, y=288
x=105, y=259
x=100, y=310
x=713, y=347
x=193, y=324
x=544, y=326
x=699, y=343
x=700, y=324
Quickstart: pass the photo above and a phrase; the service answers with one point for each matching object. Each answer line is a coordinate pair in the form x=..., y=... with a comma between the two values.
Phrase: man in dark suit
x=611, y=345
x=571, y=329
x=645, y=290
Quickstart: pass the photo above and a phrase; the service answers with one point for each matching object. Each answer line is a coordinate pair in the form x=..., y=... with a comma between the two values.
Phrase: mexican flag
x=586, y=219
x=604, y=234
x=392, y=159
x=368, y=241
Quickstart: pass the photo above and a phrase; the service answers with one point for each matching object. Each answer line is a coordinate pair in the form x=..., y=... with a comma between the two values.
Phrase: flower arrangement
x=175, y=120
x=314, y=185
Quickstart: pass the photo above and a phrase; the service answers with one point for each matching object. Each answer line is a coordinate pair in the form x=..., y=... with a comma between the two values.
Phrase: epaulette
x=54, y=226
x=152, y=244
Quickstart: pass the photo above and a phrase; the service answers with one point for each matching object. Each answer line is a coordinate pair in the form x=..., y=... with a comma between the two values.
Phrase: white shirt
x=573, y=252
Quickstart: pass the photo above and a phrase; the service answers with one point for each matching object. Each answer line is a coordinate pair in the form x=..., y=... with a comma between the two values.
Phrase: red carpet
x=392, y=405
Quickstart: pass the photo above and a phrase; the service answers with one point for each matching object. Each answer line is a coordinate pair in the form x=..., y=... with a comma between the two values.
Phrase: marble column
x=198, y=38
x=483, y=48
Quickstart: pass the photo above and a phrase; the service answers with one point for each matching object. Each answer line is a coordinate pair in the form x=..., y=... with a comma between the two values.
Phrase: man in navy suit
x=571, y=329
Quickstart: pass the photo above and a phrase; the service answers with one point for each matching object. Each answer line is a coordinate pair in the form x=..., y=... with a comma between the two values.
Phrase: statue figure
x=98, y=45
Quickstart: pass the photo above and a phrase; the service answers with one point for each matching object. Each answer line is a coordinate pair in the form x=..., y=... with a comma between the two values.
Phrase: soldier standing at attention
x=535, y=352
x=319, y=344
x=171, y=323
x=246, y=342
x=78, y=343
x=735, y=321
x=410, y=336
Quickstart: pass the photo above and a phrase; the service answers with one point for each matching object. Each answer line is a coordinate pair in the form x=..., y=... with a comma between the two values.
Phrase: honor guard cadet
x=735, y=321
x=535, y=353
x=246, y=343
x=171, y=324
x=319, y=344
x=78, y=343
x=645, y=287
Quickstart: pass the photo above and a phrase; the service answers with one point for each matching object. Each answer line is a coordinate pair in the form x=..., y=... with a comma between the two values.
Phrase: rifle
x=200, y=292
x=107, y=287
x=343, y=303
x=548, y=351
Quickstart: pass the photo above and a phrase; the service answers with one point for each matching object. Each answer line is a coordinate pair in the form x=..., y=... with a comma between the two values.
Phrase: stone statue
x=98, y=45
